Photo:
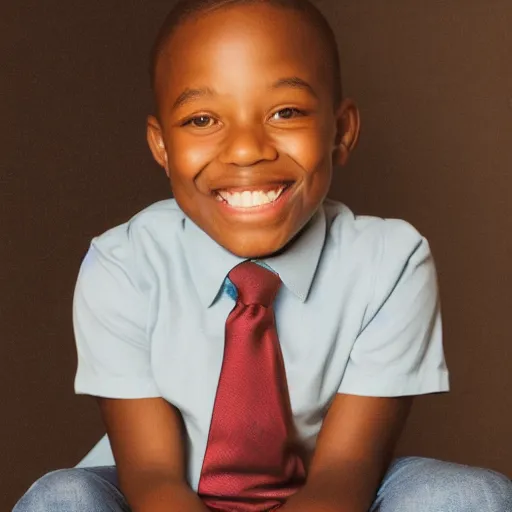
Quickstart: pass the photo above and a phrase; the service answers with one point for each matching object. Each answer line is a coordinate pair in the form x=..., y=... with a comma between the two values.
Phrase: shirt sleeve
x=399, y=350
x=109, y=319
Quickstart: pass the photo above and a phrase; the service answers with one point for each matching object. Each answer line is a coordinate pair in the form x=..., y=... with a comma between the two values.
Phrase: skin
x=248, y=129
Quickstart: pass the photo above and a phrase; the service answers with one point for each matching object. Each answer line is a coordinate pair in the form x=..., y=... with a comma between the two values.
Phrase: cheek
x=310, y=149
x=188, y=155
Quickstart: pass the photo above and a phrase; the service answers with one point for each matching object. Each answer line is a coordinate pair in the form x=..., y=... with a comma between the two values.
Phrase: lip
x=251, y=188
x=261, y=211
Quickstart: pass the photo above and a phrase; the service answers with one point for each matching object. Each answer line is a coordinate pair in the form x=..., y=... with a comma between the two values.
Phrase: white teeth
x=246, y=199
x=249, y=198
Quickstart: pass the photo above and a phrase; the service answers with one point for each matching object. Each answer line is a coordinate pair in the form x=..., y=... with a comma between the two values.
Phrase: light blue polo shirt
x=358, y=313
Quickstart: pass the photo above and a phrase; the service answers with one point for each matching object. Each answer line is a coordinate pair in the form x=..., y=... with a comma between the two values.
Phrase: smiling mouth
x=254, y=198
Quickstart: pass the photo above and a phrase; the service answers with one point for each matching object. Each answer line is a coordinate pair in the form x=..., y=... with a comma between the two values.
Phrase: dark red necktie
x=251, y=462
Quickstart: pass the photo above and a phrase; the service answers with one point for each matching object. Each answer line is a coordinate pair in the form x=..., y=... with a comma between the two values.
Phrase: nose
x=246, y=146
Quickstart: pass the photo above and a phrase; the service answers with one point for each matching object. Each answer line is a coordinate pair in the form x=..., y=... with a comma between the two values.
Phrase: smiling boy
x=174, y=341
x=238, y=110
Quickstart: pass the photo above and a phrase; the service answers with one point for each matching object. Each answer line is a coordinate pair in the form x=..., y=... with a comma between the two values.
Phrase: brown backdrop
x=434, y=83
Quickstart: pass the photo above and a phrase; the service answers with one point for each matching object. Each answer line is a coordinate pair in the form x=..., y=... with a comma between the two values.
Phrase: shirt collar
x=210, y=263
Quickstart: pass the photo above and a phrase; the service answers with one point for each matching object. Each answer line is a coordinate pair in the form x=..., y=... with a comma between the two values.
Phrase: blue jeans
x=412, y=484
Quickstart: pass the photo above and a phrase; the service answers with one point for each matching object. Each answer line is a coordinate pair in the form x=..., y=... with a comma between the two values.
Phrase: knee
x=477, y=490
x=446, y=486
x=65, y=490
x=489, y=491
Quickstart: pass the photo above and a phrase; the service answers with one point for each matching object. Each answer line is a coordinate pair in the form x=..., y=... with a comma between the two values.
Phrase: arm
x=397, y=354
x=146, y=438
x=353, y=451
x=114, y=363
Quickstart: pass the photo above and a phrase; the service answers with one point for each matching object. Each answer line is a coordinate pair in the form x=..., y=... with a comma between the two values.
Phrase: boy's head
x=249, y=117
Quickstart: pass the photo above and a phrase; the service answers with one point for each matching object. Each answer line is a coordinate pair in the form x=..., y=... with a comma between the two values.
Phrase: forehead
x=245, y=46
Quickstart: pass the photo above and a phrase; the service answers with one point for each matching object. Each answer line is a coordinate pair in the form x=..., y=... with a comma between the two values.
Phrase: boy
x=254, y=346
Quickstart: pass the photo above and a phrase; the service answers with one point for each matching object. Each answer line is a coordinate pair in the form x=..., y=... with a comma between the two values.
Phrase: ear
x=347, y=131
x=156, y=142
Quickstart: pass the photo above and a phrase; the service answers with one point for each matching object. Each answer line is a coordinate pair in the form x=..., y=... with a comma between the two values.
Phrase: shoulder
x=123, y=250
x=156, y=222
x=371, y=239
x=391, y=257
x=382, y=251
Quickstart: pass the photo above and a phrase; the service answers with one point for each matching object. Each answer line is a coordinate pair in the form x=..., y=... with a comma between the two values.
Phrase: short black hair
x=186, y=9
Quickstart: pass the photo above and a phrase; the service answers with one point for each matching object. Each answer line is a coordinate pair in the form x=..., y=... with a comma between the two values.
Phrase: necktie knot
x=255, y=284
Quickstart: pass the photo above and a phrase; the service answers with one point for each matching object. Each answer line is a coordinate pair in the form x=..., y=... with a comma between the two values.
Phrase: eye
x=202, y=121
x=287, y=113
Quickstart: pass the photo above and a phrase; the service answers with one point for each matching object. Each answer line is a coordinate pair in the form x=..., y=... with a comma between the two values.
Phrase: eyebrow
x=192, y=94
x=296, y=82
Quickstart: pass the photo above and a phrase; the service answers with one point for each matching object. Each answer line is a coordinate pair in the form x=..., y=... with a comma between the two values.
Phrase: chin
x=251, y=249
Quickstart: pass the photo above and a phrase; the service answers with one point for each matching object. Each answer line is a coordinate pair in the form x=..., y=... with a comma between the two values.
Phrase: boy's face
x=246, y=128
